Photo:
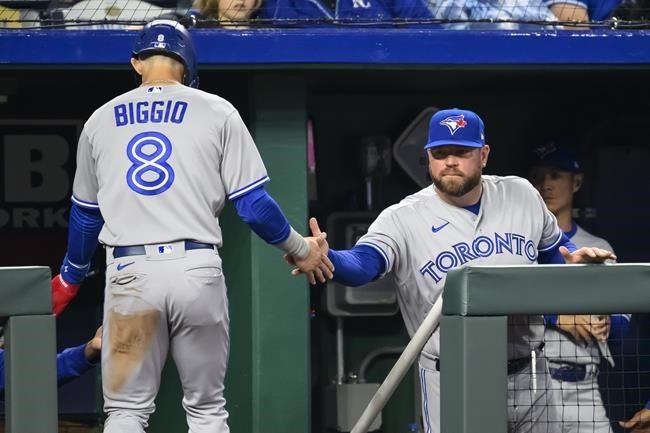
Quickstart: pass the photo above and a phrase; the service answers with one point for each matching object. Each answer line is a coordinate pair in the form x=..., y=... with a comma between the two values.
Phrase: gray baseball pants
x=168, y=301
x=532, y=402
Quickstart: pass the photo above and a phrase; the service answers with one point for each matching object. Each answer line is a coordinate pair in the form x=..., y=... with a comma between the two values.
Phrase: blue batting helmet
x=169, y=38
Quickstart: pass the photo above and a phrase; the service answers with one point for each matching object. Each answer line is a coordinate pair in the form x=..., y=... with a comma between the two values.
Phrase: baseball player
x=574, y=344
x=464, y=219
x=154, y=168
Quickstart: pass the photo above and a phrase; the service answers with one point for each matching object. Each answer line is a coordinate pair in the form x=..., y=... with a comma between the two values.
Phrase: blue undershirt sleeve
x=263, y=215
x=619, y=327
x=83, y=231
x=553, y=256
x=358, y=266
x=71, y=363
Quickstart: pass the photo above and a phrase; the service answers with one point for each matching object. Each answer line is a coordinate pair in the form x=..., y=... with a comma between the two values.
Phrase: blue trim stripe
x=425, y=400
x=75, y=265
x=554, y=244
x=83, y=203
x=249, y=187
x=380, y=251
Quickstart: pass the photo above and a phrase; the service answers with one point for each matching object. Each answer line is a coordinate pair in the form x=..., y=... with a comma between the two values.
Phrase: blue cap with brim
x=456, y=128
x=557, y=156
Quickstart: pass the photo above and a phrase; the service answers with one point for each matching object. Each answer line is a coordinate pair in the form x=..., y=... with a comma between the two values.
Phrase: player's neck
x=472, y=197
x=159, y=81
x=160, y=76
x=564, y=219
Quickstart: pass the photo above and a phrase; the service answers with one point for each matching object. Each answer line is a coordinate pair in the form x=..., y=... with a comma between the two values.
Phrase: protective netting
x=239, y=14
x=579, y=373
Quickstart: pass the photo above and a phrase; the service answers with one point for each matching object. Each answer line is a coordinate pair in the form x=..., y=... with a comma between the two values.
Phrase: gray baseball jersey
x=160, y=161
x=423, y=237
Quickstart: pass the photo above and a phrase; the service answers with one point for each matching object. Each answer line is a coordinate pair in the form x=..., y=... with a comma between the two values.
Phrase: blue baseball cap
x=555, y=155
x=456, y=127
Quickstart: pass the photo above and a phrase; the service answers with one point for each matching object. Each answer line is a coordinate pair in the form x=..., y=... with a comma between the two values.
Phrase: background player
x=572, y=341
x=159, y=162
x=70, y=363
x=464, y=219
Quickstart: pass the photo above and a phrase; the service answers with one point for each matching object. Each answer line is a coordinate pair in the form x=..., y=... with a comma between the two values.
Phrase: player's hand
x=586, y=255
x=62, y=293
x=600, y=326
x=325, y=268
x=93, y=349
x=578, y=326
x=639, y=423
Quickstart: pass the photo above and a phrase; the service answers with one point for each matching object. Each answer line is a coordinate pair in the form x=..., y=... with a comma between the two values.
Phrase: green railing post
x=473, y=356
x=477, y=301
x=30, y=355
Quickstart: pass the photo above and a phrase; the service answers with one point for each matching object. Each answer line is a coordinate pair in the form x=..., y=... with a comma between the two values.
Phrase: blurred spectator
x=634, y=10
x=493, y=14
x=232, y=13
x=582, y=10
x=9, y=18
x=107, y=14
x=382, y=10
x=308, y=11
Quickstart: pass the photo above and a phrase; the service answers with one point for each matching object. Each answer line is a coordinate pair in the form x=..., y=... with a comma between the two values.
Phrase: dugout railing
x=476, y=305
x=30, y=350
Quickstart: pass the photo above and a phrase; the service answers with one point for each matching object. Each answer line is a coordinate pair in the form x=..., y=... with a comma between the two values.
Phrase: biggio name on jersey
x=150, y=112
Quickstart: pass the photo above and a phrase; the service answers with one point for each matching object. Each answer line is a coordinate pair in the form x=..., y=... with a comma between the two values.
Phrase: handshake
x=316, y=265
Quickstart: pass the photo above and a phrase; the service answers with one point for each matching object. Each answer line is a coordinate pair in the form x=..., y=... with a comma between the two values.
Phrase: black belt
x=139, y=250
x=514, y=365
x=569, y=373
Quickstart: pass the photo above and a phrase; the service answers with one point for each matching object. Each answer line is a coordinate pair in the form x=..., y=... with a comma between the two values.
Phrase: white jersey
x=558, y=346
x=423, y=237
x=159, y=162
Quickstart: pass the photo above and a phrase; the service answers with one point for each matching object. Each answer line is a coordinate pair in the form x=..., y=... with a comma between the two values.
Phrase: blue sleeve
x=358, y=266
x=550, y=319
x=620, y=326
x=263, y=215
x=83, y=231
x=71, y=363
x=647, y=405
x=553, y=256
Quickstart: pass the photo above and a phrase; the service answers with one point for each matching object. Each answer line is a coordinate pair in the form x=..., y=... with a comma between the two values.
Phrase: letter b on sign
x=34, y=168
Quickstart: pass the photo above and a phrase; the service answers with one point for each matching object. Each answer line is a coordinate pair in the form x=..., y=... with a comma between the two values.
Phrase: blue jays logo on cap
x=558, y=156
x=457, y=128
x=454, y=122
